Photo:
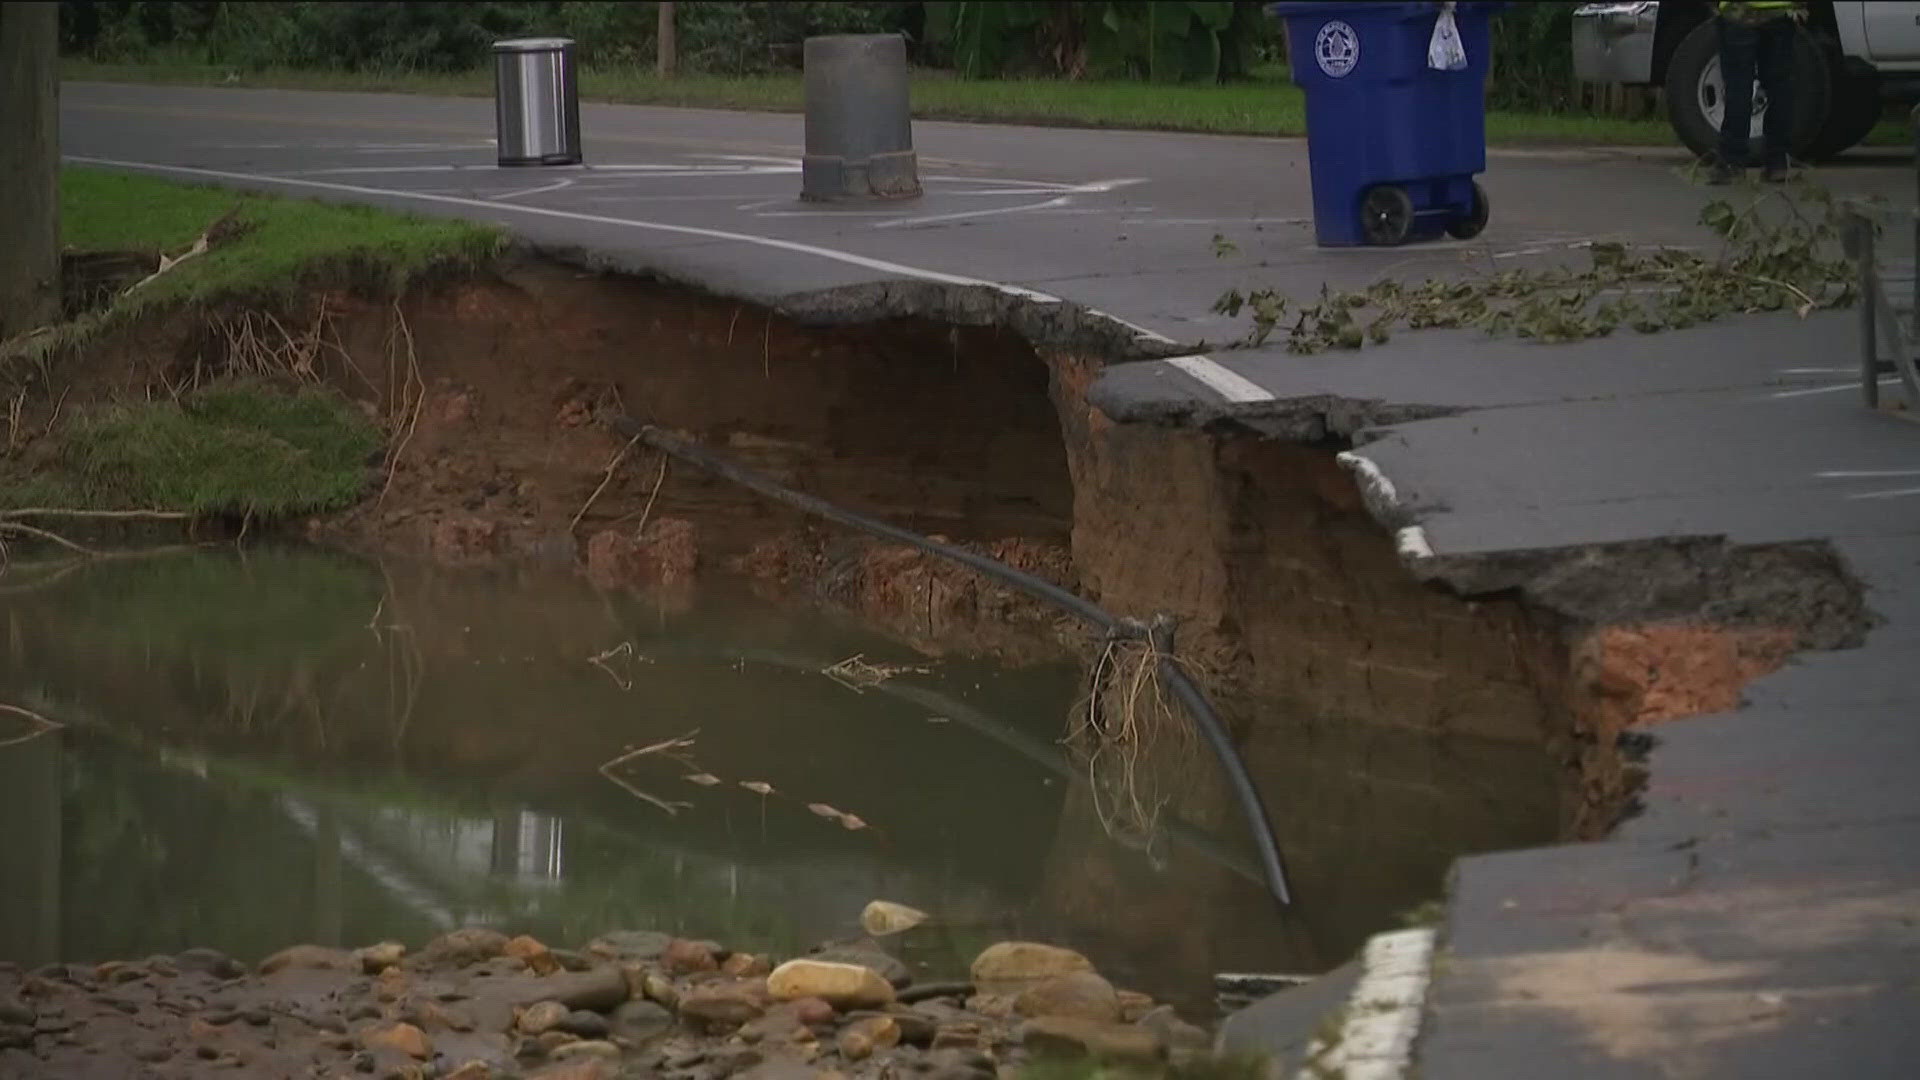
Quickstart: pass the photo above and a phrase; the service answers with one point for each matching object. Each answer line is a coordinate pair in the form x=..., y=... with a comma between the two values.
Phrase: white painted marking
x=1378, y=491
x=846, y=257
x=1138, y=330
x=1236, y=388
x=668, y=171
x=555, y=186
x=1866, y=474
x=1896, y=493
x=1215, y=221
x=1411, y=543
x=931, y=219
x=1885, y=380
x=1382, y=1014
x=1854, y=370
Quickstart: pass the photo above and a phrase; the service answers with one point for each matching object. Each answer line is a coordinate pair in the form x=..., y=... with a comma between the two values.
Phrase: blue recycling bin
x=1393, y=144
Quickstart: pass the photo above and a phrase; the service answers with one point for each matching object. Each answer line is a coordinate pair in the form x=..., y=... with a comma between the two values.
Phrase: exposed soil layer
x=1290, y=595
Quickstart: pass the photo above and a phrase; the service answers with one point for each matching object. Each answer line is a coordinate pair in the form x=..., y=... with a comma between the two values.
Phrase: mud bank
x=1289, y=590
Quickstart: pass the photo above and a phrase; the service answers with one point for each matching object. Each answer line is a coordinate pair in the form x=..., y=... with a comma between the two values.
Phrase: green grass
x=1271, y=106
x=281, y=244
x=1268, y=106
x=237, y=449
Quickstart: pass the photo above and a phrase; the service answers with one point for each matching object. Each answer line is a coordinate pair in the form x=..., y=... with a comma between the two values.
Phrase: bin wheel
x=1386, y=215
x=1466, y=228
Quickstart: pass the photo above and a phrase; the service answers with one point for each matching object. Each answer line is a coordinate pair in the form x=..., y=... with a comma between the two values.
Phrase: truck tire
x=1694, y=93
x=1854, y=111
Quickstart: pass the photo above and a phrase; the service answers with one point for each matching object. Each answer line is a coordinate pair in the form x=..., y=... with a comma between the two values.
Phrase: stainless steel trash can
x=536, y=101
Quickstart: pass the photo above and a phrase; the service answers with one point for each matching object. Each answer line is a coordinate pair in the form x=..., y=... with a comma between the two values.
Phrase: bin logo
x=1337, y=48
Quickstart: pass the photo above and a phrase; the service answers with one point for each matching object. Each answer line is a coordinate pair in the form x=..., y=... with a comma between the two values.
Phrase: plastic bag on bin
x=1444, y=50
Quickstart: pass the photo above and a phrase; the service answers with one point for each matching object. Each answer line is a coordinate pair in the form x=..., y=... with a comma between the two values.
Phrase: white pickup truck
x=1854, y=56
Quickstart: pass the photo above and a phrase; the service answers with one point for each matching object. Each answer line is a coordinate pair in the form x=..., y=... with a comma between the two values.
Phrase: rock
x=550, y=1041
x=996, y=1006
x=640, y=1021
x=1011, y=966
x=468, y=945
x=960, y=1065
x=390, y=984
x=14, y=1011
x=745, y=966
x=727, y=1060
x=599, y=1048
x=867, y=956
x=688, y=958
x=587, y=1025
x=529, y=951
x=1082, y=994
x=472, y=1070
x=405, y=1038
x=210, y=962
x=375, y=959
x=630, y=945
x=1173, y=1031
x=724, y=1006
x=1133, y=1005
x=859, y=1039
x=883, y=917
x=1073, y=1037
x=600, y=990
x=309, y=956
x=957, y=1037
x=542, y=1016
x=781, y=1068
x=588, y=1067
x=916, y=1027
x=812, y=1011
x=657, y=987
x=844, y=986
x=569, y=960
x=434, y=1016
x=15, y=1036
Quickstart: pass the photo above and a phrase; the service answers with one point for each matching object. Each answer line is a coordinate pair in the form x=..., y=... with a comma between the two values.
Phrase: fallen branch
x=18, y=529
x=413, y=379
x=858, y=674
x=42, y=725
x=667, y=747
x=201, y=245
x=612, y=467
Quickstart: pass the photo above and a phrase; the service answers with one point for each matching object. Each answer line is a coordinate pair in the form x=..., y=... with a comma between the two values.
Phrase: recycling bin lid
x=533, y=44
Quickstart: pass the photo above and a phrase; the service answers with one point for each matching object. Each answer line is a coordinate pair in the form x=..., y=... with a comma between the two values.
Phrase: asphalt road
x=1761, y=917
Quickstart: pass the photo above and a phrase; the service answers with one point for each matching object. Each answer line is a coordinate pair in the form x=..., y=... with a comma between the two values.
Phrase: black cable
x=1184, y=691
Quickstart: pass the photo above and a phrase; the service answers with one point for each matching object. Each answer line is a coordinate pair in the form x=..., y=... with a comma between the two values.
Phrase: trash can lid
x=533, y=44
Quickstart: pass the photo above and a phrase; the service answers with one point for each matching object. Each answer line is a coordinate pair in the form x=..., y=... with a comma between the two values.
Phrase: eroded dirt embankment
x=1288, y=592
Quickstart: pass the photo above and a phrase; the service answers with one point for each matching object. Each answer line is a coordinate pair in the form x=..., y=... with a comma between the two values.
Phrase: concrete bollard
x=859, y=125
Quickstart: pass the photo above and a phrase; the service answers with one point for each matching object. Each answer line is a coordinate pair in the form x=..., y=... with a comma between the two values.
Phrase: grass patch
x=273, y=250
x=1271, y=106
x=235, y=450
x=279, y=244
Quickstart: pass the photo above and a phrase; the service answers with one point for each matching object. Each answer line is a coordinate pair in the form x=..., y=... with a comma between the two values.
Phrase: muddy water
x=292, y=745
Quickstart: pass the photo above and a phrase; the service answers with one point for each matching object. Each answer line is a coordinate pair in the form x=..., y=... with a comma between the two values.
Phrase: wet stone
x=587, y=1025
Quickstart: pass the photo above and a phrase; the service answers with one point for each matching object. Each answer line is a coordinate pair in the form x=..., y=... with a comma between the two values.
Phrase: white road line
x=1884, y=381
x=1228, y=384
x=1893, y=494
x=555, y=186
x=931, y=219
x=846, y=257
x=1853, y=370
x=1866, y=474
x=1382, y=1014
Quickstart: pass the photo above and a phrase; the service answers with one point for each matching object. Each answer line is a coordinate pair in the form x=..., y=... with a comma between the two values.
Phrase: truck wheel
x=1854, y=112
x=1696, y=102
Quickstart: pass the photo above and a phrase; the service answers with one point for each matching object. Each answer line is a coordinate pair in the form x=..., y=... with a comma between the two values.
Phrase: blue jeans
x=1765, y=49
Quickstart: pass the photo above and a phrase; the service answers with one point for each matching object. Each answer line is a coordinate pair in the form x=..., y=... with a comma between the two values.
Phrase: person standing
x=1756, y=38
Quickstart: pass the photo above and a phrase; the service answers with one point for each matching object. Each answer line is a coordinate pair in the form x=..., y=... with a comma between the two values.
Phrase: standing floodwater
x=296, y=746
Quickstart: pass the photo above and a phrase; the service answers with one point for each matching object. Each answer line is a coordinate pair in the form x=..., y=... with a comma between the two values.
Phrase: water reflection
x=293, y=745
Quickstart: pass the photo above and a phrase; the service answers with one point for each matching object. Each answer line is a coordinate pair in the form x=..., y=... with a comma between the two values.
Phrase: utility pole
x=668, y=56
x=29, y=166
